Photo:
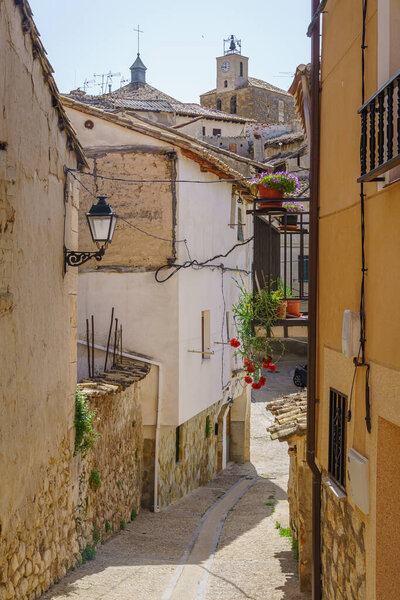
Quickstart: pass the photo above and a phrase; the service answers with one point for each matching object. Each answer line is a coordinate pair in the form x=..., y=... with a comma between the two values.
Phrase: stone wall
x=199, y=456
x=67, y=512
x=343, y=549
x=254, y=103
x=116, y=458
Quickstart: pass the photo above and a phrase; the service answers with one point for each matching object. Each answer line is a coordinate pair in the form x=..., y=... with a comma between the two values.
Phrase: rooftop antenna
x=106, y=80
x=139, y=31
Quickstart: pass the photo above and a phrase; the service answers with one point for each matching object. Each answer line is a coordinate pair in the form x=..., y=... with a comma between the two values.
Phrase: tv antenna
x=106, y=81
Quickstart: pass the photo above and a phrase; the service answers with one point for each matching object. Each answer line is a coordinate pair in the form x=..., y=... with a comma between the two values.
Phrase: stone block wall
x=49, y=531
x=199, y=456
x=254, y=103
x=343, y=549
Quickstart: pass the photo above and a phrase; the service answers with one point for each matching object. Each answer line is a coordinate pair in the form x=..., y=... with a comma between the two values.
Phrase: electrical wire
x=157, y=237
x=159, y=180
x=201, y=264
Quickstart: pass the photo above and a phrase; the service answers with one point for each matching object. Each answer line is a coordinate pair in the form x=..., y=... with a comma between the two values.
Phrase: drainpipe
x=149, y=361
x=316, y=7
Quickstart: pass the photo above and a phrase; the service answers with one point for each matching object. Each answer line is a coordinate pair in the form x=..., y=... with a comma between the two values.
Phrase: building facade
x=238, y=94
x=355, y=360
x=182, y=324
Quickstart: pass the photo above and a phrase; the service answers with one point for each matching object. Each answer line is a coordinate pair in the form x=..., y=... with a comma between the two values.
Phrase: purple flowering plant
x=293, y=207
x=281, y=180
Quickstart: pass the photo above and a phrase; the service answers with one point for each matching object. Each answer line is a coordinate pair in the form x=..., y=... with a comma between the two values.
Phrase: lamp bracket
x=74, y=258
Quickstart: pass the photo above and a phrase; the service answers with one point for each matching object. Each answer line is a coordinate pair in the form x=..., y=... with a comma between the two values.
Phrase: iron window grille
x=337, y=436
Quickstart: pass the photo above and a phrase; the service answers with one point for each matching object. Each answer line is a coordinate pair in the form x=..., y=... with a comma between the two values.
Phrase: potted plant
x=292, y=305
x=253, y=312
x=275, y=185
x=292, y=209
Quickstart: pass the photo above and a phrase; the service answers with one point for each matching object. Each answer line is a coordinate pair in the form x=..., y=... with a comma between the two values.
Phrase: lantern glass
x=102, y=221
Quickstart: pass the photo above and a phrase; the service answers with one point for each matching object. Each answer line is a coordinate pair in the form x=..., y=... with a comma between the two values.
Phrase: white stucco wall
x=163, y=321
x=204, y=214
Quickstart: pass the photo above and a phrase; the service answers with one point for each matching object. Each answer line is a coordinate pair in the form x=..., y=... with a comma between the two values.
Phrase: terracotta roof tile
x=290, y=416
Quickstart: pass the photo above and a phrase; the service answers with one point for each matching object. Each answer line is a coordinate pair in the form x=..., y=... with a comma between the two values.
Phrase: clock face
x=225, y=66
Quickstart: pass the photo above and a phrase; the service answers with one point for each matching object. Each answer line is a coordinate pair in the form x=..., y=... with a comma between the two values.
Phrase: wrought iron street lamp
x=102, y=221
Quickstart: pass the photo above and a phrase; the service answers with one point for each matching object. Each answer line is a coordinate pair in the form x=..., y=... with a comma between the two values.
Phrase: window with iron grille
x=337, y=436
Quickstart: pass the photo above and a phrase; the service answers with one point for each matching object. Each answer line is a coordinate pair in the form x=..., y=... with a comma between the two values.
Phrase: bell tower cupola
x=232, y=67
x=138, y=69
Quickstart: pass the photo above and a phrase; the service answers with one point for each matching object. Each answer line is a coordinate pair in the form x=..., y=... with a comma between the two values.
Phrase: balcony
x=281, y=252
x=380, y=131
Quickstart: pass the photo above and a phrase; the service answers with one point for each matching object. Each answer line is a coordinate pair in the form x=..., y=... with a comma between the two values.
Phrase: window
x=204, y=131
x=233, y=105
x=241, y=69
x=178, y=444
x=302, y=275
x=240, y=235
x=337, y=436
x=216, y=132
x=219, y=105
x=225, y=83
x=281, y=111
x=205, y=334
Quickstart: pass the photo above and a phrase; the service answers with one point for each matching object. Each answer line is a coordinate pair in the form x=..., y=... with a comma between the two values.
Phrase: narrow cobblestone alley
x=218, y=543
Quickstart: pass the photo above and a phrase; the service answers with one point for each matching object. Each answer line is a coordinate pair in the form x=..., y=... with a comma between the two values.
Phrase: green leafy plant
x=285, y=532
x=255, y=310
x=89, y=553
x=208, y=427
x=283, y=181
x=94, y=479
x=85, y=434
x=282, y=292
x=122, y=524
x=133, y=514
x=107, y=526
x=96, y=535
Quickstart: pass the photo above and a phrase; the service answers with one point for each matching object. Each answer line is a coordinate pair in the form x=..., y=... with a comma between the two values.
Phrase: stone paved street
x=218, y=543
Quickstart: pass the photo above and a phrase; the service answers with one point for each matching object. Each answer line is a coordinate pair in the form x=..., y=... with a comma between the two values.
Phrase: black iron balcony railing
x=380, y=131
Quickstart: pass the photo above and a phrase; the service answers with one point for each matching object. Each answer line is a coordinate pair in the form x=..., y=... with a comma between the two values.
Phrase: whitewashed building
x=176, y=208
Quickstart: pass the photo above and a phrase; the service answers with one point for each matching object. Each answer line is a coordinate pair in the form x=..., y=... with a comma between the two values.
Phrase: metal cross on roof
x=138, y=32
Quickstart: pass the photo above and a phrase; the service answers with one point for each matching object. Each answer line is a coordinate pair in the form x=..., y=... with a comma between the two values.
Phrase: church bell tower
x=232, y=67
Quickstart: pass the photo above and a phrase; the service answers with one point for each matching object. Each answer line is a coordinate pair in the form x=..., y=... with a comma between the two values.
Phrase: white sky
x=180, y=42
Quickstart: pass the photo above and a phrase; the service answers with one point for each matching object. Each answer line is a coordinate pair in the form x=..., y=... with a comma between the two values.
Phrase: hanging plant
x=255, y=309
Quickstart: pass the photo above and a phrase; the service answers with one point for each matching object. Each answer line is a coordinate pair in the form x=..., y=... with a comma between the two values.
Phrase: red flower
x=250, y=369
x=255, y=386
x=248, y=379
x=272, y=367
x=247, y=361
x=262, y=380
x=234, y=343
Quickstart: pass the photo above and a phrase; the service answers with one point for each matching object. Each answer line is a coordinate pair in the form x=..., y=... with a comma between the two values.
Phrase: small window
x=241, y=69
x=281, y=111
x=216, y=132
x=225, y=83
x=302, y=276
x=240, y=235
x=204, y=131
x=219, y=105
x=178, y=444
x=337, y=437
x=233, y=105
x=205, y=334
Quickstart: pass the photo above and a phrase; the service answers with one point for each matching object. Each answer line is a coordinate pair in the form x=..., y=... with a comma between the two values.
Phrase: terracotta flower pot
x=293, y=308
x=265, y=192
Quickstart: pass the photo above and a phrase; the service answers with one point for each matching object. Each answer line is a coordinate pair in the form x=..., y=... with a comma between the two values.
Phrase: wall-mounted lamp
x=102, y=221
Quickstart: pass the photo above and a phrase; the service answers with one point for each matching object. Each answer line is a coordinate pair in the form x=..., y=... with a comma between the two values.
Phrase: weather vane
x=139, y=31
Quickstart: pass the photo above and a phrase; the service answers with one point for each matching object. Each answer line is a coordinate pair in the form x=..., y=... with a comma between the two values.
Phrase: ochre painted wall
x=339, y=269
